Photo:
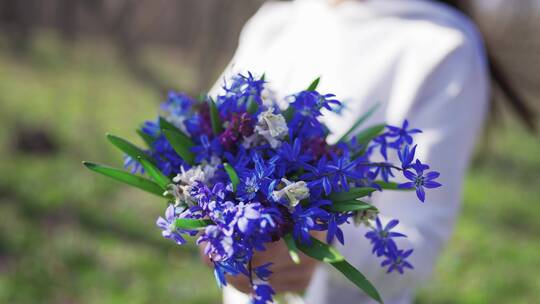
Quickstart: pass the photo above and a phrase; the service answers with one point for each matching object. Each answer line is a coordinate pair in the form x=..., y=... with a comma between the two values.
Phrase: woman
x=422, y=61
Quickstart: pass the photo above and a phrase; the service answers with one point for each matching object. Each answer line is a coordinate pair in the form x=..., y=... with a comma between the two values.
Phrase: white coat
x=420, y=60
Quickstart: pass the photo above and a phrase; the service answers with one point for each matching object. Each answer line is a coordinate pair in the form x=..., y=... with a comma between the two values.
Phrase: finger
x=240, y=282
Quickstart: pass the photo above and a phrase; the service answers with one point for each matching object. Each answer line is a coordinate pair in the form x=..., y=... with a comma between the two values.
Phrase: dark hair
x=515, y=100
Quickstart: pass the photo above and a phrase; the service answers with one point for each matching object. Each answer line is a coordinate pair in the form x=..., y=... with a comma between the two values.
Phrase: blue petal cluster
x=286, y=176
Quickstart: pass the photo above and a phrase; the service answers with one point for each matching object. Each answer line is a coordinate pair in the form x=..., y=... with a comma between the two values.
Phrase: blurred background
x=71, y=70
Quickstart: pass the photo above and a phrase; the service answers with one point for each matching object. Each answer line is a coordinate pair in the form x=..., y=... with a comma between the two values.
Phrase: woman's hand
x=286, y=277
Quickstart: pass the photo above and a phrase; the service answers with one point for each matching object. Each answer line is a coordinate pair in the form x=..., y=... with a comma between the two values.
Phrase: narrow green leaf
x=358, y=279
x=232, y=175
x=320, y=251
x=353, y=205
x=191, y=224
x=314, y=84
x=368, y=134
x=252, y=106
x=359, y=121
x=352, y=194
x=214, y=117
x=148, y=140
x=127, y=178
x=155, y=173
x=181, y=144
x=164, y=124
x=128, y=148
x=391, y=186
x=293, y=250
x=289, y=113
x=326, y=253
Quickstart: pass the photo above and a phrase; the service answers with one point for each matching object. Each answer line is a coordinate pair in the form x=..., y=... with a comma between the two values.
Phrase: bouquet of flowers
x=238, y=172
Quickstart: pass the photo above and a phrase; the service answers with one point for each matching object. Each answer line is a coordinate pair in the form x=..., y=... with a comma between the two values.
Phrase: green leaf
x=320, y=251
x=155, y=173
x=148, y=140
x=289, y=113
x=314, y=84
x=359, y=121
x=181, y=144
x=352, y=194
x=353, y=205
x=358, y=279
x=293, y=250
x=232, y=175
x=190, y=224
x=214, y=117
x=391, y=186
x=368, y=134
x=127, y=178
x=326, y=253
x=128, y=148
x=164, y=124
x=252, y=106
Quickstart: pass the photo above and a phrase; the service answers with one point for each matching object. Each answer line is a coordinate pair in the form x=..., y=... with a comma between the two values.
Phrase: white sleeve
x=257, y=33
x=447, y=99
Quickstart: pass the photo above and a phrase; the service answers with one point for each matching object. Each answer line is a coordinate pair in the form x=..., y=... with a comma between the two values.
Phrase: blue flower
x=384, y=170
x=130, y=162
x=342, y=168
x=406, y=156
x=305, y=220
x=318, y=176
x=381, y=143
x=167, y=225
x=282, y=188
x=382, y=237
x=396, y=260
x=291, y=157
x=263, y=272
x=248, y=188
x=253, y=219
x=220, y=246
x=151, y=128
x=177, y=104
x=402, y=135
x=419, y=180
x=221, y=269
x=334, y=220
x=239, y=93
x=310, y=103
x=206, y=149
x=262, y=293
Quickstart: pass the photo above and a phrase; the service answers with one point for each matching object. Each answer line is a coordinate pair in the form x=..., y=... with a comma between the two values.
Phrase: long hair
x=511, y=96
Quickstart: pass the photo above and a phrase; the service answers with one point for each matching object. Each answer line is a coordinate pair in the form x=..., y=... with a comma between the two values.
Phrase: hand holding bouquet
x=239, y=173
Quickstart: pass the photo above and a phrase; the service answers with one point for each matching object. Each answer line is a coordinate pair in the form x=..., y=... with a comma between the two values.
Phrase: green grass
x=67, y=235
x=493, y=256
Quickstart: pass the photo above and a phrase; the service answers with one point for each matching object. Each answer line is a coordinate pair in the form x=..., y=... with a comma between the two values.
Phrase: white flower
x=185, y=181
x=272, y=127
x=268, y=97
x=210, y=168
x=294, y=192
x=251, y=141
x=190, y=176
x=365, y=217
